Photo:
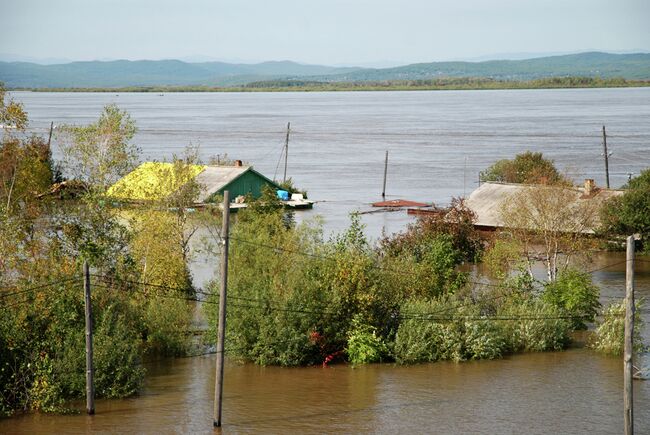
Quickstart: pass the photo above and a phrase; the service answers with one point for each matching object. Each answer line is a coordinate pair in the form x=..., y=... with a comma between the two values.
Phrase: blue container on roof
x=283, y=195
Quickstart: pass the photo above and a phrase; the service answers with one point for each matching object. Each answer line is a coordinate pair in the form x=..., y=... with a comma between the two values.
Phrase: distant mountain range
x=125, y=73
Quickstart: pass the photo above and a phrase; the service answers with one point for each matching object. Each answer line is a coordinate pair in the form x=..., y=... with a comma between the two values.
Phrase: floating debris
x=399, y=203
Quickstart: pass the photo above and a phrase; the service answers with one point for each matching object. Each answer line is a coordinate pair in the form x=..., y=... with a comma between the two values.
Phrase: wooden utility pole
x=49, y=139
x=383, y=191
x=629, y=335
x=606, y=157
x=90, y=371
x=465, y=178
x=286, y=152
x=221, y=332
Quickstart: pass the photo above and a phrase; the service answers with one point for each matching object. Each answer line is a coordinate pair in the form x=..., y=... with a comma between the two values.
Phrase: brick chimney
x=590, y=186
x=239, y=163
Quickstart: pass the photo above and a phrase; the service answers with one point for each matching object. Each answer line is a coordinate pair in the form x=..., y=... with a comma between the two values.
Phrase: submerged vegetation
x=299, y=299
x=44, y=243
x=295, y=297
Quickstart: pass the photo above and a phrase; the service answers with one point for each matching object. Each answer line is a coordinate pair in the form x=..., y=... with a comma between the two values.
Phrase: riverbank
x=391, y=85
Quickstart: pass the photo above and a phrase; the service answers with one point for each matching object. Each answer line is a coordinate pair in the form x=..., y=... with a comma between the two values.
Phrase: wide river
x=437, y=143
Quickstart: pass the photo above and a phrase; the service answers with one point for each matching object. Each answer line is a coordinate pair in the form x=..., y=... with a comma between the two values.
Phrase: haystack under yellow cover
x=153, y=181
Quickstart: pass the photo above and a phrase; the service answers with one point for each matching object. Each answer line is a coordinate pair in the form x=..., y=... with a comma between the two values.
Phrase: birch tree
x=551, y=223
x=100, y=153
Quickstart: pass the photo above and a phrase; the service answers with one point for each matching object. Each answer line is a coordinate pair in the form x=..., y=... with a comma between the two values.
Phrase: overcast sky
x=319, y=31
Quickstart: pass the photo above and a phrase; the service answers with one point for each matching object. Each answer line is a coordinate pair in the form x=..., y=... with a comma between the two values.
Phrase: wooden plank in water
x=399, y=203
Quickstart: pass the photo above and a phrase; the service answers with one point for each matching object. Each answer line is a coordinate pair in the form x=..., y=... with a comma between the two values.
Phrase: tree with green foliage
x=574, y=293
x=26, y=170
x=26, y=167
x=12, y=114
x=630, y=213
x=525, y=168
x=548, y=222
x=455, y=222
x=43, y=244
x=100, y=153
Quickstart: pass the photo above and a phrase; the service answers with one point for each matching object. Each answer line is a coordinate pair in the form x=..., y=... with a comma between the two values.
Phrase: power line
x=141, y=283
x=334, y=259
x=160, y=295
x=411, y=316
x=37, y=287
x=25, y=301
x=607, y=266
x=496, y=318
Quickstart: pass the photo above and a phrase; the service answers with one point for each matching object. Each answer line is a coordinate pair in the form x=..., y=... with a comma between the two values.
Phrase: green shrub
x=535, y=326
x=118, y=369
x=364, y=346
x=609, y=337
x=484, y=339
x=446, y=329
x=457, y=329
x=528, y=167
x=299, y=309
x=575, y=294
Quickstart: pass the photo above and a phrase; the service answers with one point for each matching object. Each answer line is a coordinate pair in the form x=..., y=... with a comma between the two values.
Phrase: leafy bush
x=446, y=329
x=455, y=223
x=535, y=325
x=610, y=333
x=118, y=369
x=575, y=294
x=630, y=213
x=502, y=257
x=457, y=329
x=299, y=309
x=528, y=167
x=364, y=346
x=421, y=338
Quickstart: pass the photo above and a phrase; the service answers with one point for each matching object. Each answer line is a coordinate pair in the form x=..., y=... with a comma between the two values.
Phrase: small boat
x=298, y=201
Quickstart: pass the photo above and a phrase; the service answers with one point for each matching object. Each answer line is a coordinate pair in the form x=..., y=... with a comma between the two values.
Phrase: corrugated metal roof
x=214, y=178
x=488, y=200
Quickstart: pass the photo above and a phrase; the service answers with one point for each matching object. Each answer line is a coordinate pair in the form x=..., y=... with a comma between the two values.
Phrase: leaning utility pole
x=90, y=371
x=383, y=192
x=49, y=138
x=286, y=151
x=221, y=332
x=628, y=351
x=606, y=157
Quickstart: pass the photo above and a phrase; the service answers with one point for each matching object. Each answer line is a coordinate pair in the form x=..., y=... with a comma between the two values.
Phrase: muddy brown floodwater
x=567, y=392
x=576, y=391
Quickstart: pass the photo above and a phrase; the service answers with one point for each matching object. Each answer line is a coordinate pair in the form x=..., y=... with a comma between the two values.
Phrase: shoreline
x=410, y=85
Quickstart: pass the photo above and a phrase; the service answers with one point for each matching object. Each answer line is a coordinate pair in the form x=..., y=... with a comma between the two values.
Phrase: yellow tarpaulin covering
x=153, y=181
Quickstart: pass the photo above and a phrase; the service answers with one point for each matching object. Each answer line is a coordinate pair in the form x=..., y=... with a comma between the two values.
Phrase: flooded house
x=153, y=181
x=489, y=201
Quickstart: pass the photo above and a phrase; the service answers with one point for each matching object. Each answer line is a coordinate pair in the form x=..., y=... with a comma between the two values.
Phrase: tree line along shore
x=305, y=85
